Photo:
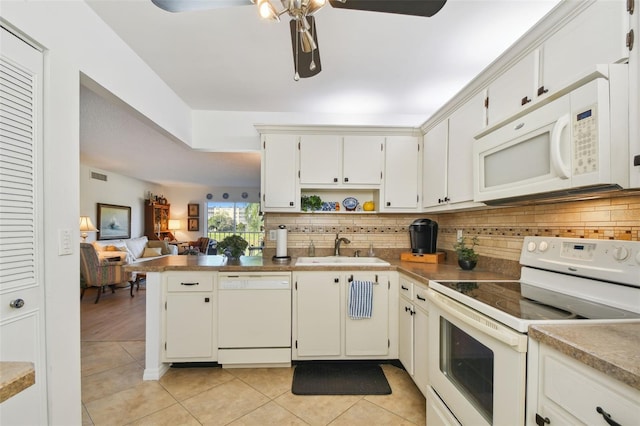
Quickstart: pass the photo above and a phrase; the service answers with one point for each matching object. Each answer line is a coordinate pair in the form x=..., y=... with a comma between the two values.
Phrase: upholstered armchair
x=96, y=273
x=201, y=244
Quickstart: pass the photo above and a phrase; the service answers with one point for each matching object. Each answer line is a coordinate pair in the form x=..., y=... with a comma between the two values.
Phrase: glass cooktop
x=506, y=296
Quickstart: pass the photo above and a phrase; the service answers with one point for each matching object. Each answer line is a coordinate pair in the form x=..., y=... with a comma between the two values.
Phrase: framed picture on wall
x=114, y=222
x=193, y=210
x=193, y=224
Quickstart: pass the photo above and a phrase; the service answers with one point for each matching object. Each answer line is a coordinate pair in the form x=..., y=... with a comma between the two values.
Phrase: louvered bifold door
x=22, y=326
x=17, y=175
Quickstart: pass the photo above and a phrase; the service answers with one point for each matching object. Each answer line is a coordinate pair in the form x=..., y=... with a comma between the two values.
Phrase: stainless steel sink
x=340, y=261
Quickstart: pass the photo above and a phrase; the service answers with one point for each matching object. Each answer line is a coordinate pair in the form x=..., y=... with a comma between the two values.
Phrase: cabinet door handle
x=542, y=90
x=541, y=421
x=291, y=203
x=420, y=297
x=607, y=417
x=336, y=280
x=189, y=283
x=388, y=203
x=335, y=179
x=346, y=179
x=404, y=288
x=525, y=100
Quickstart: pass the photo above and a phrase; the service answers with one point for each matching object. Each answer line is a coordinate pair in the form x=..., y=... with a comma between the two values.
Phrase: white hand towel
x=360, y=299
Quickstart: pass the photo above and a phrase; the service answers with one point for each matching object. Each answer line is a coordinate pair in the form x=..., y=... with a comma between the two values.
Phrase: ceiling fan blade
x=191, y=5
x=304, y=62
x=425, y=8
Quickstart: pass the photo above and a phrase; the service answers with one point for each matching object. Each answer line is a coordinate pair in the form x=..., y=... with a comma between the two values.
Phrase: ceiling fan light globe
x=267, y=11
x=315, y=5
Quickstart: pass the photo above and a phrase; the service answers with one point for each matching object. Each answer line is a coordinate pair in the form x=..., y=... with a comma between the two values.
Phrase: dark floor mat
x=322, y=378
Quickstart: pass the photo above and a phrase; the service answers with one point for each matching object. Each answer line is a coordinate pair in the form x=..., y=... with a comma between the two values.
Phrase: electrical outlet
x=272, y=235
x=459, y=234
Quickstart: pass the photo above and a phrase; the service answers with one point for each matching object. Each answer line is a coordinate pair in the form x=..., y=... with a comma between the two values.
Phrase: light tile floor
x=113, y=393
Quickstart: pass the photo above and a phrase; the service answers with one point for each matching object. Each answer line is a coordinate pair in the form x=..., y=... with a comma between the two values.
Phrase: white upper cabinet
x=447, y=176
x=401, y=174
x=280, y=191
x=363, y=157
x=464, y=123
x=320, y=159
x=328, y=160
x=434, y=169
x=596, y=36
x=513, y=90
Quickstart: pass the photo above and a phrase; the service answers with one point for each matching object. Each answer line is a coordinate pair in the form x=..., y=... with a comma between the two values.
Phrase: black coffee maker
x=424, y=236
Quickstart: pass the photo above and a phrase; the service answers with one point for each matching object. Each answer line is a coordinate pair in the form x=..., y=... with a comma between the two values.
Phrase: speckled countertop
x=15, y=377
x=612, y=348
x=419, y=271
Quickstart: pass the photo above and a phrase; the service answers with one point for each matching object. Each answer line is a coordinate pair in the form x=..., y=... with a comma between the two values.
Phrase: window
x=244, y=219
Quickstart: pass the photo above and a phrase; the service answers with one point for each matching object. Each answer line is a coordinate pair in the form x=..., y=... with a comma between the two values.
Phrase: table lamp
x=86, y=226
x=174, y=225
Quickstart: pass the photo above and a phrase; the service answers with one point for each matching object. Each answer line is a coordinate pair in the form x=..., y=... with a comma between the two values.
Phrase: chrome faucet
x=337, y=242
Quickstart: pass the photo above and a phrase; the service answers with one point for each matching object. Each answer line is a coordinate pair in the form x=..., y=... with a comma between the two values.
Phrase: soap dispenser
x=371, y=253
x=312, y=249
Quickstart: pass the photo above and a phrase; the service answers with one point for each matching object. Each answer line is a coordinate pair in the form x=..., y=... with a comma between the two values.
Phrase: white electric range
x=477, y=329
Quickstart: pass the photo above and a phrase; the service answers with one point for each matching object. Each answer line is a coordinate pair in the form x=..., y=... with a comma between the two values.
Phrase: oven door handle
x=478, y=321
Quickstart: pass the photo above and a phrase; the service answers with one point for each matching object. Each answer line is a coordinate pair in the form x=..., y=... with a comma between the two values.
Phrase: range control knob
x=531, y=246
x=620, y=253
x=543, y=246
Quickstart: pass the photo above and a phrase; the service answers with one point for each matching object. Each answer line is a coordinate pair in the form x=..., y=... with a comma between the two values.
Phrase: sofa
x=133, y=249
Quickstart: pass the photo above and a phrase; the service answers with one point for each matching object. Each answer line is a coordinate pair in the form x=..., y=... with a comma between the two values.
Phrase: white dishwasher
x=254, y=319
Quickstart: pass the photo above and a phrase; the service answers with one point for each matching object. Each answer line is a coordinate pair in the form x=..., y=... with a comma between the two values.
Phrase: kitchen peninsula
x=201, y=273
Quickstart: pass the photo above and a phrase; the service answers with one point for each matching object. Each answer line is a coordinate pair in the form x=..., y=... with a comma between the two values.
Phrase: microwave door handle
x=561, y=168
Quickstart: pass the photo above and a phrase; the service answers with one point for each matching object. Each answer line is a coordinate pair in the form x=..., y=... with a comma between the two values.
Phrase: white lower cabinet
x=412, y=335
x=406, y=311
x=189, y=317
x=570, y=392
x=420, y=329
x=322, y=328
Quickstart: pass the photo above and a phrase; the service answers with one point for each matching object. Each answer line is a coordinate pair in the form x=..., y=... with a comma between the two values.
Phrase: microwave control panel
x=585, y=141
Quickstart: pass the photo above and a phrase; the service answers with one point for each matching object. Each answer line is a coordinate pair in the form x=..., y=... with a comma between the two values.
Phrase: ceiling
x=398, y=68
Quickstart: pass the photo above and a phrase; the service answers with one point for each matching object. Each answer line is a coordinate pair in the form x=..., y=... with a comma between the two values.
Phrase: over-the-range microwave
x=574, y=145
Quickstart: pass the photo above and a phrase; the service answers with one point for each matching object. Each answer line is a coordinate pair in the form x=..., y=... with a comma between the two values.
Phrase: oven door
x=477, y=366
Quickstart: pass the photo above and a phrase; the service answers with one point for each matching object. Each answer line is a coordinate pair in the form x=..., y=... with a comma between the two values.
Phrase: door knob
x=17, y=303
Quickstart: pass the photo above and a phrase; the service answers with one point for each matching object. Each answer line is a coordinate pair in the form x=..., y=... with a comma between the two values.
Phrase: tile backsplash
x=500, y=230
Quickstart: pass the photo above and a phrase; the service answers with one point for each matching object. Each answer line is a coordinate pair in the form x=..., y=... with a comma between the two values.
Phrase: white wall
x=119, y=190
x=76, y=41
x=235, y=131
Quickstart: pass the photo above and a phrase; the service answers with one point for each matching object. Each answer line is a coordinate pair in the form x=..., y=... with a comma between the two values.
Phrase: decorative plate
x=350, y=203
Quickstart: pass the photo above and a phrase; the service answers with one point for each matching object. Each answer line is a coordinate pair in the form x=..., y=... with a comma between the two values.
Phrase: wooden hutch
x=156, y=221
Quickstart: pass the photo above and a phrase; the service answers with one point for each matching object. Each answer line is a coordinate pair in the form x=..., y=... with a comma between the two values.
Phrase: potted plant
x=467, y=257
x=310, y=203
x=233, y=246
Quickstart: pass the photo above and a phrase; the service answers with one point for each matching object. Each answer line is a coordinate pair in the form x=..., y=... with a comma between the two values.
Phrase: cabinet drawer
x=406, y=289
x=580, y=390
x=420, y=297
x=190, y=282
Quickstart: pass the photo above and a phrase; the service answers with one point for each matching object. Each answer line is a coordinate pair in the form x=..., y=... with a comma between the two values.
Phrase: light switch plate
x=459, y=234
x=272, y=235
x=65, y=246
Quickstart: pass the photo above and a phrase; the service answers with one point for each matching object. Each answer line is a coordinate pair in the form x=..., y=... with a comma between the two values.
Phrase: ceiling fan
x=304, y=35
